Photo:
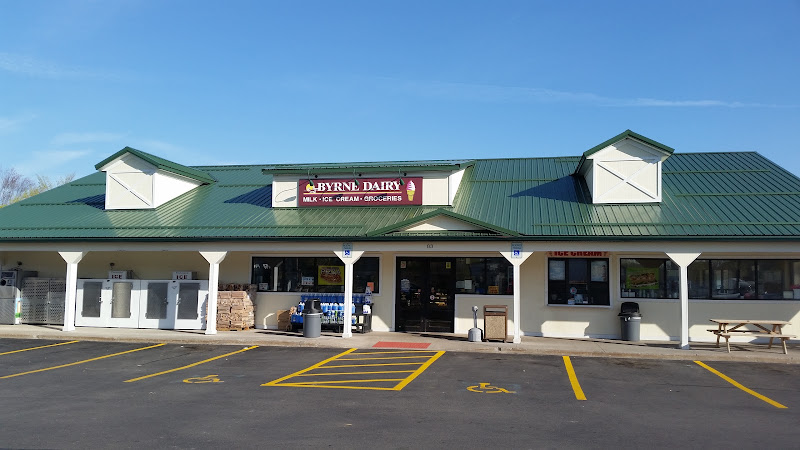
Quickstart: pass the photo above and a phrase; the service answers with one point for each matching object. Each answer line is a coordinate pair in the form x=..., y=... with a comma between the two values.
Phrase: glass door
x=122, y=304
x=107, y=303
x=425, y=294
x=173, y=305
x=89, y=304
x=154, y=305
x=190, y=304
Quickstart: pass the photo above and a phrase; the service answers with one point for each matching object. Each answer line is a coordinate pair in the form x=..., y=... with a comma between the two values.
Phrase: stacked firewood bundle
x=235, y=311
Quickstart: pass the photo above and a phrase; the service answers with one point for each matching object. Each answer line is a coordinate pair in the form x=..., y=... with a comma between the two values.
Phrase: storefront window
x=491, y=276
x=578, y=281
x=648, y=278
x=312, y=274
x=744, y=279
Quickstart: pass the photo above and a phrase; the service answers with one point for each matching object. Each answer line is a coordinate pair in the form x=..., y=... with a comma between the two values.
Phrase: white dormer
x=138, y=180
x=624, y=169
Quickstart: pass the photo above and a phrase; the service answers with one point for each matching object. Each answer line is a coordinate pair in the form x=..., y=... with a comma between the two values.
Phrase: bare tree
x=13, y=185
x=18, y=187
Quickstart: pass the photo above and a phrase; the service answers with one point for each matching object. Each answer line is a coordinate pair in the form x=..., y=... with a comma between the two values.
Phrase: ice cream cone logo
x=410, y=189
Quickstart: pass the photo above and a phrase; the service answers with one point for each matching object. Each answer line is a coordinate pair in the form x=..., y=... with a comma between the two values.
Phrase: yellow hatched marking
x=36, y=348
x=190, y=365
x=740, y=386
x=573, y=379
x=317, y=365
x=323, y=386
x=417, y=372
x=351, y=373
x=393, y=352
x=338, y=383
x=388, y=357
x=81, y=362
x=371, y=380
x=371, y=365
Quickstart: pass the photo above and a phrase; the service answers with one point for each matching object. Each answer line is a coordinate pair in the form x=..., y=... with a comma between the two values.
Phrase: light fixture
x=400, y=176
x=310, y=181
x=355, y=179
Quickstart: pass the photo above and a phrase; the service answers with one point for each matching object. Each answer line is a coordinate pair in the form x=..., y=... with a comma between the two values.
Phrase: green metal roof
x=160, y=163
x=705, y=196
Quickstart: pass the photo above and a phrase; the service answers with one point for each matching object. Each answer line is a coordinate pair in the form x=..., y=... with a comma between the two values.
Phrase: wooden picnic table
x=764, y=328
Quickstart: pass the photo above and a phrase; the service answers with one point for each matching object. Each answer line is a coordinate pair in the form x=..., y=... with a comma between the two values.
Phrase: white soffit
x=443, y=223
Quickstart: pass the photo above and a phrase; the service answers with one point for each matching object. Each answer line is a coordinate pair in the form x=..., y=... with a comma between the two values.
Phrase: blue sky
x=264, y=82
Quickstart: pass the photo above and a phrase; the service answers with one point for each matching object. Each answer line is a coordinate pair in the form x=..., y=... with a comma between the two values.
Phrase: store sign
x=365, y=192
x=577, y=254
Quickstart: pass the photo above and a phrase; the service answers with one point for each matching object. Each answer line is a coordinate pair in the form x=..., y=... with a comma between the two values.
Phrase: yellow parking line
x=362, y=388
x=36, y=348
x=80, y=362
x=190, y=365
x=398, y=351
x=738, y=385
x=388, y=357
x=321, y=363
x=416, y=373
x=370, y=380
x=384, y=357
x=371, y=365
x=350, y=373
x=573, y=379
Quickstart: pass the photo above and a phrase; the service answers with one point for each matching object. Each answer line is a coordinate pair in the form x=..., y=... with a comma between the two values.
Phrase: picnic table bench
x=725, y=330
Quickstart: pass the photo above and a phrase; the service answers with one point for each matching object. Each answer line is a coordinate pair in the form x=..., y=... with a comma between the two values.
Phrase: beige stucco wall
x=464, y=303
x=660, y=317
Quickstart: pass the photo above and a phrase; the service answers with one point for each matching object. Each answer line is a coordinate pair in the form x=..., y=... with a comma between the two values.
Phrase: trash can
x=495, y=322
x=630, y=320
x=312, y=318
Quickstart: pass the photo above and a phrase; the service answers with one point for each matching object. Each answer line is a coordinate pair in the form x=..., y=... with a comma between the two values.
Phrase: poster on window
x=641, y=278
x=331, y=276
x=557, y=270
x=599, y=271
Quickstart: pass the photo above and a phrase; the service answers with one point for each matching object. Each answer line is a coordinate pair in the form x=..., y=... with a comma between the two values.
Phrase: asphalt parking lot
x=125, y=395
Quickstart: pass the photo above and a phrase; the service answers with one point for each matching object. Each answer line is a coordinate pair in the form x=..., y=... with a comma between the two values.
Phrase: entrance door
x=425, y=294
x=107, y=303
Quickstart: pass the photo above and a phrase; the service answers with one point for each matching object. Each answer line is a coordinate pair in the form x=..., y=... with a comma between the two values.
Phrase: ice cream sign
x=360, y=192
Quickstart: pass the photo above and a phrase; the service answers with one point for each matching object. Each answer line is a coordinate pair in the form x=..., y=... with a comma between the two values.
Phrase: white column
x=516, y=260
x=683, y=260
x=349, y=261
x=214, y=259
x=72, y=259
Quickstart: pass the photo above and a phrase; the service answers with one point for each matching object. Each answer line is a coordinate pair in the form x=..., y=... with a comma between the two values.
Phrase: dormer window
x=138, y=180
x=624, y=169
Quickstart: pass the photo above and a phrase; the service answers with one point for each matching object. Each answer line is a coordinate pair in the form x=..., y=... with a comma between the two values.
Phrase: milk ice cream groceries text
x=351, y=187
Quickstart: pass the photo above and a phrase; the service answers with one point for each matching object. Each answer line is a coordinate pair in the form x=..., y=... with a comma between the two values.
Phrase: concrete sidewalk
x=705, y=351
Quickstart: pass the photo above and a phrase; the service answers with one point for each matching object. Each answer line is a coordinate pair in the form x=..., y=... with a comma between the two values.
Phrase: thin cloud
x=39, y=162
x=29, y=66
x=84, y=138
x=8, y=124
x=515, y=94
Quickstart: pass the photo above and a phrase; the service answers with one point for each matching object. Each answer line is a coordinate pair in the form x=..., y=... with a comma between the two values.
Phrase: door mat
x=385, y=344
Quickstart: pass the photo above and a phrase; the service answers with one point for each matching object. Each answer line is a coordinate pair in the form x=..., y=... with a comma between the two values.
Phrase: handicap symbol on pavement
x=487, y=388
x=205, y=379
